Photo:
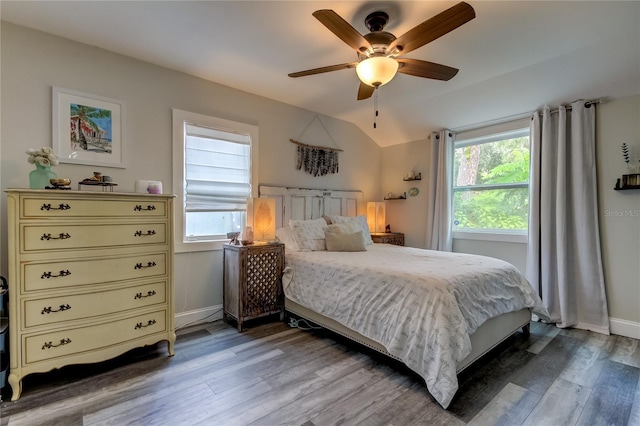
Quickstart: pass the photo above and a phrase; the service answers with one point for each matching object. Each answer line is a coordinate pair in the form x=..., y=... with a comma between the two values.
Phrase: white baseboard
x=198, y=316
x=624, y=328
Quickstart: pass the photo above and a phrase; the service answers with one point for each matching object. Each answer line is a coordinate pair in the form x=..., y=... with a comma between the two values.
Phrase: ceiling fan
x=378, y=50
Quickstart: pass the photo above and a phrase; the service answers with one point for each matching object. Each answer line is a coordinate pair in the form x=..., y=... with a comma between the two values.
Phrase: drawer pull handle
x=51, y=345
x=140, y=325
x=140, y=234
x=60, y=207
x=149, y=294
x=141, y=266
x=49, y=309
x=61, y=236
x=139, y=208
x=49, y=274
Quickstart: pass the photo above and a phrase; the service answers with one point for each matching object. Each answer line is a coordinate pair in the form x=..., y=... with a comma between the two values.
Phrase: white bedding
x=421, y=305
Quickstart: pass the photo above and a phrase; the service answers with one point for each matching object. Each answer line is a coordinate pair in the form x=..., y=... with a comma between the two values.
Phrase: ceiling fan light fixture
x=377, y=70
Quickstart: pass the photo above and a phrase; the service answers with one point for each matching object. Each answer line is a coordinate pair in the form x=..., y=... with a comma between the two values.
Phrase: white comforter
x=421, y=305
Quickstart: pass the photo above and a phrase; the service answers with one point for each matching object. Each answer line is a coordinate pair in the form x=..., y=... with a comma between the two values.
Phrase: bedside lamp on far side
x=376, y=216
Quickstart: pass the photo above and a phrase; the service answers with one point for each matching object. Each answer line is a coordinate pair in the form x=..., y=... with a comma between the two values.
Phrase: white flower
x=44, y=157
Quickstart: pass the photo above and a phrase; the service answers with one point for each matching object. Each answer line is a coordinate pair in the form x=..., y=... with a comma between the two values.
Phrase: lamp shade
x=264, y=219
x=377, y=70
x=376, y=216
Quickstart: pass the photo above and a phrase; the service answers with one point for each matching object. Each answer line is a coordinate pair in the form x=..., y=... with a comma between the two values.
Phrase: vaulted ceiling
x=514, y=57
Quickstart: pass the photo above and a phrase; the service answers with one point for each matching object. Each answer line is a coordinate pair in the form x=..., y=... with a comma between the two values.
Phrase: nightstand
x=395, y=238
x=252, y=281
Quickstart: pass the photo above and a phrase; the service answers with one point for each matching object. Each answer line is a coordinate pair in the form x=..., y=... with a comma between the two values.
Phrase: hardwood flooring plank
x=484, y=384
x=256, y=408
x=358, y=406
x=588, y=360
x=510, y=407
x=414, y=405
x=542, y=370
x=322, y=399
x=150, y=410
x=627, y=351
x=562, y=404
x=541, y=335
x=612, y=397
x=292, y=366
x=634, y=416
x=229, y=400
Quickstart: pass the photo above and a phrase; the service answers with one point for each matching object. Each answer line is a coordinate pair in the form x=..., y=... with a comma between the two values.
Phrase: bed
x=436, y=312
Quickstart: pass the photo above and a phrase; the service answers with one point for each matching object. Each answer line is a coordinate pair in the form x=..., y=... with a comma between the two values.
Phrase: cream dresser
x=90, y=277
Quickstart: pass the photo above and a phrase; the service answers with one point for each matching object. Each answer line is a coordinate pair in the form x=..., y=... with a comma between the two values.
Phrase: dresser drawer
x=51, y=310
x=70, y=236
x=61, y=343
x=58, y=207
x=39, y=276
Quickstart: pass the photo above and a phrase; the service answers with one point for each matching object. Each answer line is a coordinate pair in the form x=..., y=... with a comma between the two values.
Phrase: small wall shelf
x=399, y=197
x=414, y=177
x=631, y=181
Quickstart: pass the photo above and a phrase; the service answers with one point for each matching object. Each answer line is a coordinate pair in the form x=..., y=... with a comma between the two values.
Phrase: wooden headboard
x=303, y=203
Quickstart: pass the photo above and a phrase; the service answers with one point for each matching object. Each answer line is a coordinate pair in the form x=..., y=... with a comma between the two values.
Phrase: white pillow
x=309, y=234
x=360, y=221
x=285, y=236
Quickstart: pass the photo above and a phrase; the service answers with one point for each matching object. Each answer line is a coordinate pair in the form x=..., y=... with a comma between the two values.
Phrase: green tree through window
x=491, y=183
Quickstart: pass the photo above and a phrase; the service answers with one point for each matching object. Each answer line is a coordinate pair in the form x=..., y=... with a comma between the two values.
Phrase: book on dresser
x=90, y=277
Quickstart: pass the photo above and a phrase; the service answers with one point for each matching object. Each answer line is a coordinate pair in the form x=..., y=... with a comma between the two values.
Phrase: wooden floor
x=272, y=374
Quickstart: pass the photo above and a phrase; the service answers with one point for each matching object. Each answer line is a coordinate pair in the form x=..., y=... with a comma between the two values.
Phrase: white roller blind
x=217, y=170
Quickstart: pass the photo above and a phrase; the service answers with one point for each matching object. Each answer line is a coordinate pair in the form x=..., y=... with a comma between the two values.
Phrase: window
x=491, y=186
x=213, y=175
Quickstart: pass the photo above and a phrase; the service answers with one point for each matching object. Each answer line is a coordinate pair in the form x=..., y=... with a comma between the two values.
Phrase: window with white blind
x=213, y=171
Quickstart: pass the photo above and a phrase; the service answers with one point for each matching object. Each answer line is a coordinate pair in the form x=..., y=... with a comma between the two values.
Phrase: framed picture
x=88, y=129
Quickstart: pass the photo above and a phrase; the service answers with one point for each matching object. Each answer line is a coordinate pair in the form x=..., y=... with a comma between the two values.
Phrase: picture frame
x=88, y=129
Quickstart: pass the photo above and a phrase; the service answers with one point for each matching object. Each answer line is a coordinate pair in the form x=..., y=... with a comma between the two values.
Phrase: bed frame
x=302, y=203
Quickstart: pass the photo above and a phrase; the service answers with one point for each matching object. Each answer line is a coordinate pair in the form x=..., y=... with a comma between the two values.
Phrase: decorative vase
x=39, y=178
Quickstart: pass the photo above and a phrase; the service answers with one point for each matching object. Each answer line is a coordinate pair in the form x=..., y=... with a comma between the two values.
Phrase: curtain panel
x=564, y=260
x=438, y=236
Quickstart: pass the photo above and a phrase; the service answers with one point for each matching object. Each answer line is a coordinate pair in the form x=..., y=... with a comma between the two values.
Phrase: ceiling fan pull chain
x=375, y=107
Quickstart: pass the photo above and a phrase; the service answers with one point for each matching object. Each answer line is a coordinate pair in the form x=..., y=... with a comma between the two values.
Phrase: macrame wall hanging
x=314, y=159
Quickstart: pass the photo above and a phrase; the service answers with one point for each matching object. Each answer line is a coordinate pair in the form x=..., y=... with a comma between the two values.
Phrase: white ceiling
x=514, y=57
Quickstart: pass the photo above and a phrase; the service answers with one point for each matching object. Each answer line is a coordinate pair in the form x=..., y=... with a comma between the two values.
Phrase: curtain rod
x=515, y=117
x=587, y=103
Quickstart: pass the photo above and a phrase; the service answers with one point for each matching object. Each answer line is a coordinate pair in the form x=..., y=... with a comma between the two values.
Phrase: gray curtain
x=439, y=212
x=564, y=260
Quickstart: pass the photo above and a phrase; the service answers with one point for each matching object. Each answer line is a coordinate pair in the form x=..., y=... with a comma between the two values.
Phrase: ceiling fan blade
x=365, y=91
x=426, y=69
x=342, y=29
x=323, y=69
x=433, y=28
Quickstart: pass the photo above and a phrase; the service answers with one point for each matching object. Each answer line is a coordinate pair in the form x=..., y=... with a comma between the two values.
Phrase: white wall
x=407, y=216
x=32, y=62
x=616, y=122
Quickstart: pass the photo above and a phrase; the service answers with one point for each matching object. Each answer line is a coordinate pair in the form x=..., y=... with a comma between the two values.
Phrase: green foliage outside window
x=494, y=163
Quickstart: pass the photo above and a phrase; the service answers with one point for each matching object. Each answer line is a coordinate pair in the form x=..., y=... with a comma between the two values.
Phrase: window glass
x=491, y=183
